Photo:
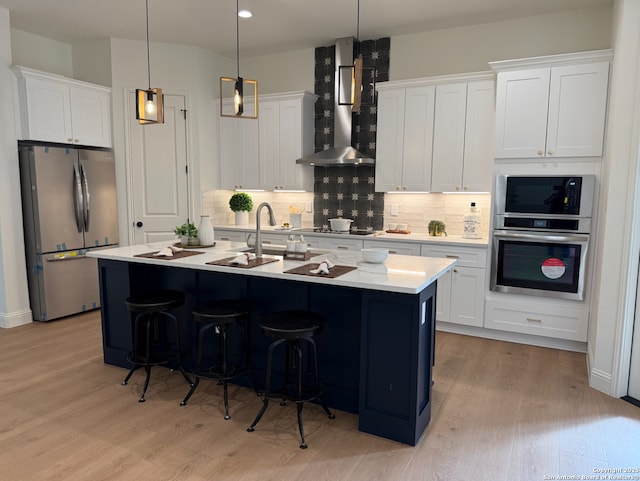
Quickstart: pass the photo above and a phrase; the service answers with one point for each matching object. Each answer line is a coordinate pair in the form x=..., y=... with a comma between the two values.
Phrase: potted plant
x=437, y=228
x=241, y=204
x=188, y=233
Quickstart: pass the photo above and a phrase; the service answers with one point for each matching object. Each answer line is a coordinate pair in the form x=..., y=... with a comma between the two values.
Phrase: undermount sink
x=280, y=250
x=274, y=251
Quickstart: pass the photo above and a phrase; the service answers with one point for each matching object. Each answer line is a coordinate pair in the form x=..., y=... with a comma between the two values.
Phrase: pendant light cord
x=148, y=55
x=238, y=36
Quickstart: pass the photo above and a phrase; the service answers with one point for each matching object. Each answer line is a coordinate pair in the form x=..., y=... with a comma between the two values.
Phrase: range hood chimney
x=342, y=153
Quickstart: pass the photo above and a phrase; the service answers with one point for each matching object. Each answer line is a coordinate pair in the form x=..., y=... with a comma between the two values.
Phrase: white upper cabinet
x=405, y=138
x=463, y=137
x=261, y=154
x=556, y=109
x=57, y=109
x=286, y=127
x=239, y=163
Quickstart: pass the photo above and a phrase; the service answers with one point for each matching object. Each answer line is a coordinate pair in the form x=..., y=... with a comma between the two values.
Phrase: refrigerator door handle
x=87, y=198
x=78, y=198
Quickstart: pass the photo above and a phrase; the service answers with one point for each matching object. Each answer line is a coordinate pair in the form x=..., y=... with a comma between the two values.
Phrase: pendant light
x=354, y=74
x=149, y=102
x=238, y=96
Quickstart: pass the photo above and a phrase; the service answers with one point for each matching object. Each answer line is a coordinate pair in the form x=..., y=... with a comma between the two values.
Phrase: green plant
x=437, y=227
x=188, y=228
x=241, y=201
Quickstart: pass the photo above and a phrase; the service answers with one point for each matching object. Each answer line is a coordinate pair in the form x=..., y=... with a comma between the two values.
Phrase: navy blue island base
x=376, y=350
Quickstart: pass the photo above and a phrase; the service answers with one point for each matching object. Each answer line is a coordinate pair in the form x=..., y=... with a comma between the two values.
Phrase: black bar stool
x=293, y=327
x=151, y=346
x=219, y=316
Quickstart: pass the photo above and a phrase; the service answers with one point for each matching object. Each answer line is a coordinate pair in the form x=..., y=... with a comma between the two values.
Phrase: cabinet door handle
x=550, y=152
x=225, y=238
x=532, y=319
x=449, y=256
x=539, y=152
x=266, y=242
x=392, y=252
x=344, y=248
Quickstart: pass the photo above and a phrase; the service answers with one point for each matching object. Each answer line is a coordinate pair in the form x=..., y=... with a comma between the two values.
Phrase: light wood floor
x=500, y=411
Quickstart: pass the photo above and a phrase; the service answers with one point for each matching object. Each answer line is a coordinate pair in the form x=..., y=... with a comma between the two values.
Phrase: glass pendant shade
x=149, y=106
x=238, y=97
x=149, y=102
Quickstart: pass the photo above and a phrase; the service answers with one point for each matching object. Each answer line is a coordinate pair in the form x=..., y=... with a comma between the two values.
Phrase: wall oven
x=540, y=237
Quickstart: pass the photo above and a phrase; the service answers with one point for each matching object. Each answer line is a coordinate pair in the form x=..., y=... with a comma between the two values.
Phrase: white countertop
x=402, y=274
x=419, y=238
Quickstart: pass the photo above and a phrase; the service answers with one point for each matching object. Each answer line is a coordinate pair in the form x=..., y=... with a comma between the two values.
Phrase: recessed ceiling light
x=245, y=14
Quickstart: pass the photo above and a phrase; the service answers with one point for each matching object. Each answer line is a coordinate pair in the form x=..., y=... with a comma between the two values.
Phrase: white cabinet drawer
x=232, y=236
x=340, y=244
x=540, y=320
x=403, y=248
x=467, y=256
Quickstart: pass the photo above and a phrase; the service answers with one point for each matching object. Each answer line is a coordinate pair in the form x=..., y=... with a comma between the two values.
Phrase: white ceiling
x=277, y=25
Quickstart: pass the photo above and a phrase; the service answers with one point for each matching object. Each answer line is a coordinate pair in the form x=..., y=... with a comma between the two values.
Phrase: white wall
x=41, y=53
x=14, y=296
x=617, y=264
x=91, y=61
x=176, y=69
x=469, y=49
x=283, y=72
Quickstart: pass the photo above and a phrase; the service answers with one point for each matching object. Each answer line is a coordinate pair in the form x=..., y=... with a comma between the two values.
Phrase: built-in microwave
x=550, y=203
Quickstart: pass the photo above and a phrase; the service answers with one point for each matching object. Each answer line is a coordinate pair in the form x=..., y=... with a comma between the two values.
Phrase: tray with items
x=314, y=269
x=398, y=231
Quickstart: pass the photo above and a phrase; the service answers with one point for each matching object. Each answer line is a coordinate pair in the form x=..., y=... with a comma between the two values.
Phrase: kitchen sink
x=279, y=250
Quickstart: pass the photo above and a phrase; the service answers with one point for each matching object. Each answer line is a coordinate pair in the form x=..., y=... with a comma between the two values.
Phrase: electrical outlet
x=309, y=207
x=394, y=209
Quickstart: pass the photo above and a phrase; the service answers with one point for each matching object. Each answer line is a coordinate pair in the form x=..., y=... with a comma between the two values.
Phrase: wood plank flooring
x=500, y=412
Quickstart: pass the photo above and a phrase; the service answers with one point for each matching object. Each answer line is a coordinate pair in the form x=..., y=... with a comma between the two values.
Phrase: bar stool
x=151, y=346
x=218, y=316
x=292, y=328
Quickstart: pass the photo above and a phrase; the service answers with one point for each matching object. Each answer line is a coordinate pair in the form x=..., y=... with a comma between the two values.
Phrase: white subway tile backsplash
x=415, y=210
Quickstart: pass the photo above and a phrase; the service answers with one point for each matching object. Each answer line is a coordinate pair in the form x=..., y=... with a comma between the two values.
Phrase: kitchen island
x=376, y=350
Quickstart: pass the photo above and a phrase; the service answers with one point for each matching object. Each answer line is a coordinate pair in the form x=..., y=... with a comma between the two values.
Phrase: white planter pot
x=242, y=217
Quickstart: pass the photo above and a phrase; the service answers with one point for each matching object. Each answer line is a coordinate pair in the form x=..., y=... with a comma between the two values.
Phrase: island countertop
x=399, y=273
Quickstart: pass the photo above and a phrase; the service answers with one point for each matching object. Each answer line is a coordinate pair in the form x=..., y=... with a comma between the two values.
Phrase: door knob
x=139, y=224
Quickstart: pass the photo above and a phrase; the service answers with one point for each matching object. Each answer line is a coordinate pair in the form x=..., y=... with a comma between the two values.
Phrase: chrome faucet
x=272, y=221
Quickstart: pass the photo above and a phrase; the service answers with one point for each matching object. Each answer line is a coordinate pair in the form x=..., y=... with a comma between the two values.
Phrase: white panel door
x=521, y=113
x=158, y=173
x=390, y=138
x=577, y=104
x=448, y=137
x=479, y=135
x=91, y=116
x=634, y=372
x=418, y=138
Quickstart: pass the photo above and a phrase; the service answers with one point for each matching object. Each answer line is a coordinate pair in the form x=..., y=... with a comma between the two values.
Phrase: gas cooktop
x=322, y=230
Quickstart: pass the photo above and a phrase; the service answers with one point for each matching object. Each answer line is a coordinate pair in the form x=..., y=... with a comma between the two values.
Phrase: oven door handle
x=541, y=237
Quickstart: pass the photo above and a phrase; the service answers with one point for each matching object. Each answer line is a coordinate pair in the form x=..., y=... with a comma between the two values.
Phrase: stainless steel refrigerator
x=69, y=207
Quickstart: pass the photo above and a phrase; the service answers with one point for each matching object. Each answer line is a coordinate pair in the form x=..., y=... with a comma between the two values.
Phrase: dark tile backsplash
x=349, y=191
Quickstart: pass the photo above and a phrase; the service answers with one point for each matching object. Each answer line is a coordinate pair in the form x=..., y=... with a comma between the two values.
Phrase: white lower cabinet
x=340, y=244
x=230, y=235
x=460, y=298
x=540, y=319
x=402, y=248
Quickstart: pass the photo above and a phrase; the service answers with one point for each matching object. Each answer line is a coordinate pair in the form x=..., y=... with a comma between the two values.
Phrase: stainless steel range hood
x=343, y=153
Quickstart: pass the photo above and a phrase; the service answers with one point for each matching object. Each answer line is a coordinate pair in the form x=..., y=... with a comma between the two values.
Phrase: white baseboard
x=516, y=337
x=601, y=381
x=15, y=319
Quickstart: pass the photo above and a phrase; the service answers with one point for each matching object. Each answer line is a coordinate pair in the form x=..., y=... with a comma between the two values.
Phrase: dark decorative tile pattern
x=349, y=191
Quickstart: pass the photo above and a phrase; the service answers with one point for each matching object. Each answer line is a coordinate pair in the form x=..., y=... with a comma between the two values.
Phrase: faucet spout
x=272, y=221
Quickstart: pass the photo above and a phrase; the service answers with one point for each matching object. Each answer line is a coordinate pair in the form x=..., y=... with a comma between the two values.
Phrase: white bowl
x=374, y=255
